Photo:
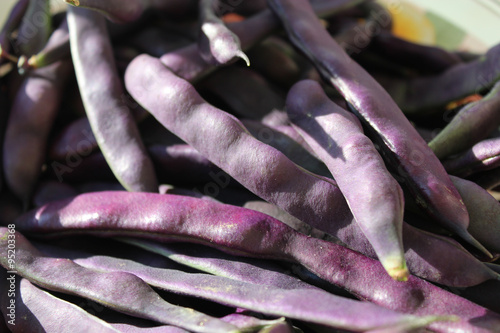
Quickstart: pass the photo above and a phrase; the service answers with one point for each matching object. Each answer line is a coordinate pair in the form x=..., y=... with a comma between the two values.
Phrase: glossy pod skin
x=404, y=149
x=29, y=125
x=110, y=118
x=235, y=230
x=484, y=155
x=373, y=195
x=473, y=122
x=263, y=170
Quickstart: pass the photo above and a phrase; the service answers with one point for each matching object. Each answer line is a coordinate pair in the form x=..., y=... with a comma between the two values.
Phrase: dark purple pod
x=157, y=42
x=31, y=117
x=486, y=294
x=418, y=56
x=373, y=195
x=35, y=28
x=488, y=179
x=11, y=23
x=483, y=156
x=10, y=207
x=217, y=44
x=249, y=233
x=48, y=191
x=76, y=138
x=110, y=117
x=473, y=123
x=403, y=148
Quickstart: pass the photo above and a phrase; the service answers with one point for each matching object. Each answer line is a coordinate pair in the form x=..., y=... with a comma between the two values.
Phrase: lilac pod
x=422, y=95
x=245, y=92
x=401, y=144
x=12, y=22
x=66, y=276
x=34, y=311
x=373, y=195
x=483, y=156
x=122, y=12
x=110, y=118
x=472, y=123
x=31, y=117
x=235, y=230
x=312, y=199
x=484, y=212
x=48, y=191
x=217, y=44
x=310, y=305
x=35, y=28
x=421, y=57
x=127, y=328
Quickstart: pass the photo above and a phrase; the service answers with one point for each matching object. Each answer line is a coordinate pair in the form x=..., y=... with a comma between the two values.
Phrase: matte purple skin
x=48, y=191
x=75, y=138
x=404, y=148
x=375, y=198
x=188, y=63
x=243, y=232
x=309, y=305
x=473, y=122
x=32, y=114
x=110, y=118
x=15, y=17
x=484, y=155
x=262, y=169
x=64, y=275
x=119, y=11
x=39, y=311
x=423, y=57
x=247, y=94
x=484, y=212
x=217, y=44
x=35, y=28
x=422, y=95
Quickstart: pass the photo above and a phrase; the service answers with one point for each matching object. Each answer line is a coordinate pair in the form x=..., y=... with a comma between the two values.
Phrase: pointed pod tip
x=243, y=56
x=466, y=236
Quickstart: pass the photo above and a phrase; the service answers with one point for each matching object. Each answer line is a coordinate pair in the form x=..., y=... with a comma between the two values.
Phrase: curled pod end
x=242, y=55
x=466, y=236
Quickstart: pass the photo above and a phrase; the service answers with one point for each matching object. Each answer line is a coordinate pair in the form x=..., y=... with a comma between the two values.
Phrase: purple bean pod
x=12, y=22
x=110, y=118
x=35, y=28
x=235, y=230
x=373, y=195
x=401, y=144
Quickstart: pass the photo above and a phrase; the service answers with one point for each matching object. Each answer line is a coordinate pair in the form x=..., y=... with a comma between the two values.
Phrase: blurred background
x=471, y=25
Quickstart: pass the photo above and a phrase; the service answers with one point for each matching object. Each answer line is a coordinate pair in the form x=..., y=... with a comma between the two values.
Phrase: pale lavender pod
x=249, y=233
x=403, y=148
x=373, y=195
x=64, y=275
x=216, y=43
x=110, y=118
x=483, y=156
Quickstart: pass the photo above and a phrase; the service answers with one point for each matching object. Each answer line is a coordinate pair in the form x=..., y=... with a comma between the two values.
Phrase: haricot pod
x=373, y=195
x=473, y=122
x=484, y=211
x=217, y=44
x=131, y=10
x=35, y=27
x=34, y=311
x=245, y=232
x=403, y=147
x=484, y=155
x=110, y=118
x=31, y=117
x=140, y=300
x=424, y=94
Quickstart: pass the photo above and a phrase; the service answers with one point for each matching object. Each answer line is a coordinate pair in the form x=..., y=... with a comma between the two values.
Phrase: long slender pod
x=404, y=148
x=373, y=195
x=30, y=121
x=483, y=156
x=216, y=42
x=108, y=289
x=110, y=118
x=472, y=123
x=35, y=28
x=245, y=232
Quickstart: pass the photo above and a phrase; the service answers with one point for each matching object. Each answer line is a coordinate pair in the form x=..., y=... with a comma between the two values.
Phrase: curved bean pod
x=373, y=195
x=484, y=155
x=244, y=232
x=471, y=124
x=111, y=120
x=404, y=148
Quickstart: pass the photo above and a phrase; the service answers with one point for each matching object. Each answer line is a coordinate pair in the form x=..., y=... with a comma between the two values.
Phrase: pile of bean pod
x=244, y=166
